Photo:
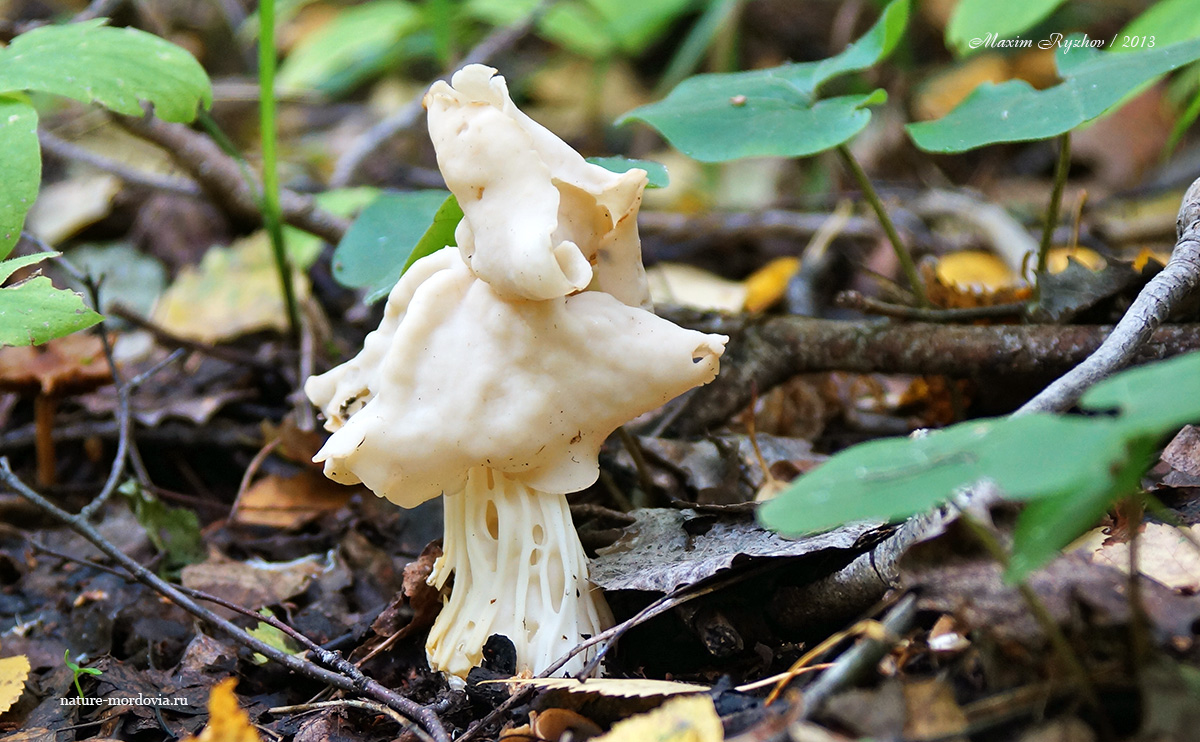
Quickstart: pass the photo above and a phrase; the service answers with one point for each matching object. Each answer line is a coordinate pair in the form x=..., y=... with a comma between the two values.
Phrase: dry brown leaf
x=1164, y=555
x=612, y=687
x=254, y=583
x=14, y=671
x=932, y=712
x=944, y=91
x=289, y=502
x=227, y=722
x=688, y=719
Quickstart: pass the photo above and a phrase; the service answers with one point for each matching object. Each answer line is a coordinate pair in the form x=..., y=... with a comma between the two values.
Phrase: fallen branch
x=1160, y=297
x=131, y=175
x=763, y=353
x=222, y=179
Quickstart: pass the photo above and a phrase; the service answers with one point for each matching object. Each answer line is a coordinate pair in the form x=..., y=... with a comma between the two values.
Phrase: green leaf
x=773, y=112
x=592, y=28
x=1165, y=22
x=271, y=636
x=1029, y=456
x=33, y=312
x=304, y=248
x=391, y=234
x=1071, y=467
x=12, y=265
x=978, y=19
x=1046, y=526
x=361, y=41
x=655, y=171
x=1152, y=399
x=1014, y=111
x=21, y=172
x=175, y=532
x=118, y=68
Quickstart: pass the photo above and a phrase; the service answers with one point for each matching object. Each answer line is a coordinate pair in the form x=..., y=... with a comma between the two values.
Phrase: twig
x=125, y=444
x=768, y=351
x=348, y=164
x=675, y=598
x=133, y=176
x=229, y=355
x=862, y=656
x=1177, y=280
x=339, y=679
x=221, y=178
x=743, y=224
x=352, y=703
x=869, y=305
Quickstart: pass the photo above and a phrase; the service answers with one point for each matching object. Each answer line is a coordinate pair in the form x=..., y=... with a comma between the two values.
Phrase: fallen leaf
x=691, y=719
x=14, y=671
x=688, y=286
x=932, y=711
x=227, y=722
x=234, y=291
x=1059, y=258
x=767, y=285
x=1164, y=554
x=666, y=548
x=254, y=583
x=289, y=502
x=66, y=207
x=974, y=270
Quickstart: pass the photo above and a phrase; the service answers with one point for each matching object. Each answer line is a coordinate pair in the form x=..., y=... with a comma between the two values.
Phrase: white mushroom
x=502, y=403
x=578, y=221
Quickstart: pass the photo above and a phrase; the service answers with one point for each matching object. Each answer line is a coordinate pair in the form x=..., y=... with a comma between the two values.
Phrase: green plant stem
x=1060, y=182
x=440, y=14
x=1058, y=640
x=272, y=214
x=902, y=253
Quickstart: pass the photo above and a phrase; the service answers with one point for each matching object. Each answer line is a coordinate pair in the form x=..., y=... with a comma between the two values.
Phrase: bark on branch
x=763, y=353
x=222, y=179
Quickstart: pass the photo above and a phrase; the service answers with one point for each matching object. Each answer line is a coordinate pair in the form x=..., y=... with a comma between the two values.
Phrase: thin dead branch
x=222, y=179
x=766, y=352
x=338, y=678
x=1126, y=344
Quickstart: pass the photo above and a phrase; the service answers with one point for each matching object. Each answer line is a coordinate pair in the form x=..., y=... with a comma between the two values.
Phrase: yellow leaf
x=687, y=719
x=1145, y=255
x=768, y=284
x=974, y=270
x=1057, y=259
x=13, y=673
x=234, y=291
x=227, y=722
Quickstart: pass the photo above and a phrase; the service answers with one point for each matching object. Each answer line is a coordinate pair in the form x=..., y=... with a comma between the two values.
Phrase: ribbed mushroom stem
x=519, y=571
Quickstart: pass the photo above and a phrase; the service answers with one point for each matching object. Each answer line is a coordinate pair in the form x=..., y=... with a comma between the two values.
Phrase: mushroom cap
x=458, y=376
x=68, y=365
x=540, y=222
